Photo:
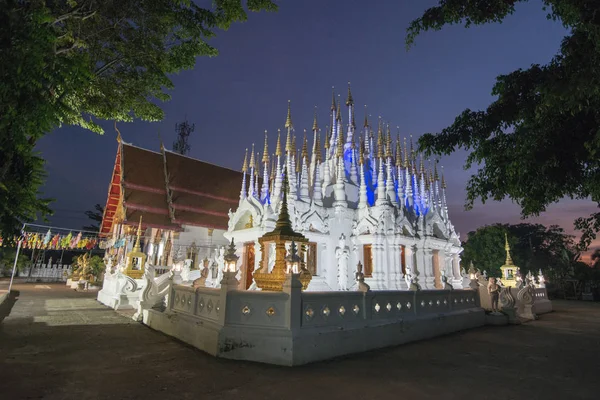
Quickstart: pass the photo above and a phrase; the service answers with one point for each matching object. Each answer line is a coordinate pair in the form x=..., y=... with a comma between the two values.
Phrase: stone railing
x=294, y=327
x=46, y=273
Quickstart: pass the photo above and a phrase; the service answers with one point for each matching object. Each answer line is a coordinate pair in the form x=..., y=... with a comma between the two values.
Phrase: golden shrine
x=280, y=236
x=509, y=269
x=136, y=259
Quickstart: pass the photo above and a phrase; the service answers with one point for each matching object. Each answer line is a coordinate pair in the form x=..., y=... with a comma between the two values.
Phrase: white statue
x=541, y=279
x=342, y=254
x=185, y=271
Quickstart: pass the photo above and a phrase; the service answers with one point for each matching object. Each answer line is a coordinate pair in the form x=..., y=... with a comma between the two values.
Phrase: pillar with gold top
x=136, y=259
x=509, y=269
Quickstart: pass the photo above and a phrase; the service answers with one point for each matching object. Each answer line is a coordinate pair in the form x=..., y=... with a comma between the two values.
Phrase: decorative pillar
x=456, y=271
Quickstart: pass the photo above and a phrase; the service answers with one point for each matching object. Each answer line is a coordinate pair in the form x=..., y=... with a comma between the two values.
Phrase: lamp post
x=230, y=268
x=473, y=276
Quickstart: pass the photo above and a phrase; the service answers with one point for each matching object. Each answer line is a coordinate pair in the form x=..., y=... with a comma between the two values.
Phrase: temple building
x=182, y=203
x=362, y=198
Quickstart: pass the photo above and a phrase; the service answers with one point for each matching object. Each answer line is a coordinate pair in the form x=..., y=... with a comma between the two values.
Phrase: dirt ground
x=56, y=343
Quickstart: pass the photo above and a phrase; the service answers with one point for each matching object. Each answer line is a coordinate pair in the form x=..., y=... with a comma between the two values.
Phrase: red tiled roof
x=201, y=193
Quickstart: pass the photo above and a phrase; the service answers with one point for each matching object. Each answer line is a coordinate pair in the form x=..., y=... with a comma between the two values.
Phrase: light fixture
x=293, y=260
x=231, y=258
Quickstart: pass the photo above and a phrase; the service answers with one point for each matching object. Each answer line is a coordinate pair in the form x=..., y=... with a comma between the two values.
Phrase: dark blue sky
x=299, y=53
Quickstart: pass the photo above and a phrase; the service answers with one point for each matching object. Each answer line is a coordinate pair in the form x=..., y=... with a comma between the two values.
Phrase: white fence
x=46, y=273
x=294, y=327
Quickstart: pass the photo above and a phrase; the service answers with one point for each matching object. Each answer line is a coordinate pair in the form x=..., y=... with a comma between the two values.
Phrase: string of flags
x=50, y=241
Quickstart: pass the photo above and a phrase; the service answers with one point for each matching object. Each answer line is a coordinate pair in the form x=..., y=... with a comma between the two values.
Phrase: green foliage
x=74, y=62
x=7, y=259
x=95, y=216
x=539, y=141
x=532, y=247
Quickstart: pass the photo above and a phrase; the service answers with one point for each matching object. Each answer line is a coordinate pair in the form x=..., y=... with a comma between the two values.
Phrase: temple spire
x=333, y=105
x=278, y=145
x=315, y=126
x=508, y=260
x=366, y=124
x=265, y=157
x=288, y=120
x=304, y=154
x=243, y=193
x=349, y=99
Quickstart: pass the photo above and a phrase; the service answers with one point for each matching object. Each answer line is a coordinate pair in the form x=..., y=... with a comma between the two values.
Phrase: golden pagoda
x=136, y=259
x=509, y=269
x=281, y=235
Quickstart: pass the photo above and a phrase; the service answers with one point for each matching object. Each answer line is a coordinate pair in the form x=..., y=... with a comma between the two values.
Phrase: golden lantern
x=281, y=236
x=136, y=259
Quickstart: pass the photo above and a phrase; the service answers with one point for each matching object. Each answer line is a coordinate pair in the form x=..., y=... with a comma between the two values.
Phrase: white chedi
x=372, y=193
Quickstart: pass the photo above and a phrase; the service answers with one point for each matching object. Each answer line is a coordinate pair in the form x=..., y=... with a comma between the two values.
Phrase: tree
x=533, y=247
x=95, y=215
x=77, y=61
x=539, y=141
x=183, y=130
x=7, y=259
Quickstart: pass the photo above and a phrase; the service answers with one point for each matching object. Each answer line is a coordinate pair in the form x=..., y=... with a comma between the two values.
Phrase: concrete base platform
x=306, y=345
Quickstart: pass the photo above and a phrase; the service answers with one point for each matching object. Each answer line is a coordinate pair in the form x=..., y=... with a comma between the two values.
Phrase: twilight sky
x=299, y=53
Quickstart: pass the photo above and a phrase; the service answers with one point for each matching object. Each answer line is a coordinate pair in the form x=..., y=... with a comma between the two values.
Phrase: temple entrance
x=368, y=261
x=311, y=258
x=403, y=259
x=249, y=262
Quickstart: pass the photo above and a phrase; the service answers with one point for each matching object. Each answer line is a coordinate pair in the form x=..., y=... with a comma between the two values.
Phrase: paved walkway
x=60, y=344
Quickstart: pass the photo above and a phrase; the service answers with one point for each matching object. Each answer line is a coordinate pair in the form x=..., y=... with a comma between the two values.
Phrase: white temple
x=365, y=202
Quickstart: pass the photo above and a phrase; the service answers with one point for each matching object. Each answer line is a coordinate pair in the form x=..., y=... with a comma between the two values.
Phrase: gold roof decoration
x=278, y=145
x=315, y=124
x=305, y=148
x=508, y=260
x=245, y=164
x=349, y=99
x=333, y=105
x=252, y=165
x=366, y=124
x=406, y=159
x=435, y=171
x=283, y=233
x=328, y=135
x=272, y=175
x=340, y=142
x=119, y=138
x=422, y=167
x=338, y=116
x=443, y=179
x=136, y=246
x=265, y=157
x=398, y=151
x=379, y=140
x=319, y=155
x=388, y=143
x=256, y=166
x=297, y=163
x=288, y=120
x=361, y=151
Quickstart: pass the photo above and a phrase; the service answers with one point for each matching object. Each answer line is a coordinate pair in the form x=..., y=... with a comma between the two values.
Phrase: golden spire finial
x=338, y=116
x=435, y=172
x=422, y=167
x=265, y=157
x=508, y=260
x=294, y=146
x=340, y=142
x=388, y=143
x=288, y=120
x=412, y=151
x=315, y=125
x=328, y=133
x=398, y=152
x=380, y=146
x=443, y=179
x=406, y=160
x=361, y=151
x=297, y=161
x=318, y=147
x=366, y=124
x=333, y=106
x=349, y=100
x=245, y=164
x=278, y=145
x=137, y=239
x=252, y=157
x=305, y=147
x=430, y=171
